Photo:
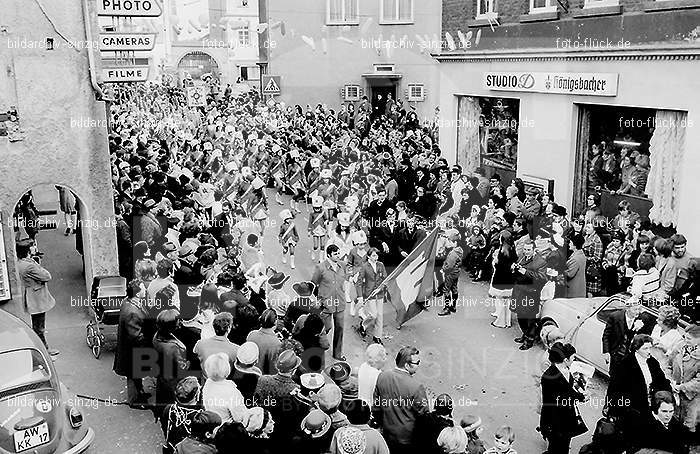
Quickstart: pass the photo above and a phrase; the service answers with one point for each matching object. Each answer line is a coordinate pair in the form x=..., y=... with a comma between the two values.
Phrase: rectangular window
x=342, y=12
x=542, y=6
x=486, y=9
x=600, y=3
x=396, y=11
x=416, y=92
x=352, y=93
x=244, y=36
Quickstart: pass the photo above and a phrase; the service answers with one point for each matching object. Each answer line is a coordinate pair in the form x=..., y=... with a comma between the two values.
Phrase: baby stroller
x=106, y=297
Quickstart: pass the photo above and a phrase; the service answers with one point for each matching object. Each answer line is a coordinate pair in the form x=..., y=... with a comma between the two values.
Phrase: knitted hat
x=351, y=440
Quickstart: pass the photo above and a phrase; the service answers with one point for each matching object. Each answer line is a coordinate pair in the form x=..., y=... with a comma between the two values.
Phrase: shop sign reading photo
x=590, y=84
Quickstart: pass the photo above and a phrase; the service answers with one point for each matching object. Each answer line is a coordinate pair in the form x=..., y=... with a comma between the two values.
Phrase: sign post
x=271, y=84
x=127, y=41
x=125, y=74
x=129, y=8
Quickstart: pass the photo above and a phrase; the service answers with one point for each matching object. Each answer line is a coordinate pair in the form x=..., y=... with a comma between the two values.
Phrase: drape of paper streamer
x=261, y=27
x=450, y=41
x=462, y=39
x=478, y=37
x=345, y=40
x=365, y=27
x=309, y=42
x=195, y=25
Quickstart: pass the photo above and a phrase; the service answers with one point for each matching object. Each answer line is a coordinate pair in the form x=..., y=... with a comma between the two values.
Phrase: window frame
x=384, y=21
x=551, y=7
x=346, y=96
x=344, y=20
x=240, y=32
x=488, y=14
x=600, y=3
x=410, y=96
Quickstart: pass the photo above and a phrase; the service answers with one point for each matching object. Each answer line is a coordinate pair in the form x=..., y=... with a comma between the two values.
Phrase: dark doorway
x=380, y=93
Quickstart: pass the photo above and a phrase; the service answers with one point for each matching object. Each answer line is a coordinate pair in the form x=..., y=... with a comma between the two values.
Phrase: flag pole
x=391, y=276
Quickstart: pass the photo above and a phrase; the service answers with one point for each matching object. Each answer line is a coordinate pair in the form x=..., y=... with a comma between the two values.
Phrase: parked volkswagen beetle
x=36, y=415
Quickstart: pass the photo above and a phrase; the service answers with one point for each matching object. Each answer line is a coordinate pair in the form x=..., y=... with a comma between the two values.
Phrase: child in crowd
x=547, y=292
x=450, y=271
x=402, y=213
x=477, y=250
x=472, y=427
x=288, y=237
x=613, y=262
x=503, y=441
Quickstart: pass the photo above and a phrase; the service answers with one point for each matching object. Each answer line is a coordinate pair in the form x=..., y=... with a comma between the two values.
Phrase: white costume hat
x=317, y=201
x=257, y=183
x=359, y=237
x=326, y=173
x=344, y=219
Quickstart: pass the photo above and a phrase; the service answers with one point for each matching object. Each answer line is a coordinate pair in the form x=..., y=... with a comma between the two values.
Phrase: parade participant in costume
x=328, y=190
x=295, y=181
x=257, y=204
x=317, y=229
x=288, y=237
x=277, y=171
x=313, y=179
x=370, y=300
x=343, y=235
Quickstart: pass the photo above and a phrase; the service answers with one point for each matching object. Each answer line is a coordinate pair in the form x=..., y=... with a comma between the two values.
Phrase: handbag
x=580, y=426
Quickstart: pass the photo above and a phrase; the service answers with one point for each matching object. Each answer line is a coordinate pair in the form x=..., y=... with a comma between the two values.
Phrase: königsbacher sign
x=589, y=84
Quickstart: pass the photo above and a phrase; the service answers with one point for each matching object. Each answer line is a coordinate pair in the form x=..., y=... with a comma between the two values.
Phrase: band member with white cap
x=257, y=204
x=342, y=235
x=318, y=224
x=295, y=180
x=277, y=171
x=288, y=236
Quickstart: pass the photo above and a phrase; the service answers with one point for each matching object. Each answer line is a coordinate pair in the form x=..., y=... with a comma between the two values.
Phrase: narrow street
x=464, y=356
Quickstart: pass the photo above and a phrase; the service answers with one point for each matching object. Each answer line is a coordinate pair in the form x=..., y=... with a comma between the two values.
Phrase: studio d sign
x=587, y=84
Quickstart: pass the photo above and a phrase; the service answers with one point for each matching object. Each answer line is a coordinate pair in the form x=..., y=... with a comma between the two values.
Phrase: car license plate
x=32, y=437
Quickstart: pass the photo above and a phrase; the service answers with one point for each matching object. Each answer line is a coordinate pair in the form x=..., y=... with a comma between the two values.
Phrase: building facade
x=336, y=51
x=58, y=129
x=197, y=37
x=540, y=89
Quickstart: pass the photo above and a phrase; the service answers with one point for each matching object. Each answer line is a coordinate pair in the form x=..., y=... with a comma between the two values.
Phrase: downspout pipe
x=91, y=59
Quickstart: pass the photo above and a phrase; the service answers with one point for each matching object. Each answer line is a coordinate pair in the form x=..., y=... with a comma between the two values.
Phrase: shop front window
x=629, y=153
x=487, y=135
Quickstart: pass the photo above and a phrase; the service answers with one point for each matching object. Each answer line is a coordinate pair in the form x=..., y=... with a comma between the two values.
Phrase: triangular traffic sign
x=272, y=86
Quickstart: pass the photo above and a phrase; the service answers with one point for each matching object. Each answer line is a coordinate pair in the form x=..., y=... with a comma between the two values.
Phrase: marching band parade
x=341, y=277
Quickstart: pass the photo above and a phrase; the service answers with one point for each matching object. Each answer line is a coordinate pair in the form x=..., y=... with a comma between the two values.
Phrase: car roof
x=15, y=334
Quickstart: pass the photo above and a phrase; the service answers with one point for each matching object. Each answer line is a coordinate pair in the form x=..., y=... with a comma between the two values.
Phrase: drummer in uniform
x=288, y=236
x=328, y=190
x=318, y=225
x=313, y=179
x=277, y=171
x=257, y=204
x=295, y=181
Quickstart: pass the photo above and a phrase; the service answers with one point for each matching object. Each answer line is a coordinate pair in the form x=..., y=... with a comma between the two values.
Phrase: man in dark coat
x=275, y=393
x=558, y=420
x=130, y=339
x=375, y=213
x=384, y=238
x=431, y=424
x=409, y=237
x=619, y=330
x=636, y=378
x=399, y=400
x=184, y=277
x=529, y=277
